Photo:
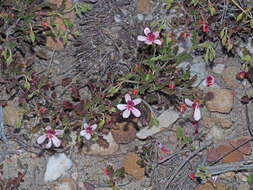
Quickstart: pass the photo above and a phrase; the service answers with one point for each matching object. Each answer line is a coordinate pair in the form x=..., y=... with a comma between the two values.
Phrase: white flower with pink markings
x=50, y=134
x=88, y=130
x=150, y=38
x=196, y=106
x=210, y=80
x=129, y=107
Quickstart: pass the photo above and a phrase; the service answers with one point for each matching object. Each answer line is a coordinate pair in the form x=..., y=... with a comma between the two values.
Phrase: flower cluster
x=196, y=106
x=50, y=134
x=150, y=38
x=129, y=107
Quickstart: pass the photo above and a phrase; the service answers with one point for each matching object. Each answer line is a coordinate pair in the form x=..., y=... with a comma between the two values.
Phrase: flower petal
x=148, y=42
x=146, y=31
x=136, y=112
x=188, y=102
x=59, y=132
x=158, y=42
x=48, y=127
x=83, y=133
x=56, y=141
x=127, y=97
x=156, y=33
x=49, y=144
x=121, y=107
x=126, y=113
x=93, y=127
x=137, y=101
x=87, y=136
x=41, y=139
x=197, y=113
x=141, y=38
x=85, y=125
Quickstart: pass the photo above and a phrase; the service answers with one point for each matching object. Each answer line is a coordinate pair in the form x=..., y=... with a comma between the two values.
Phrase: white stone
x=199, y=69
x=96, y=149
x=165, y=119
x=140, y=17
x=57, y=166
x=219, y=68
x=216, y=133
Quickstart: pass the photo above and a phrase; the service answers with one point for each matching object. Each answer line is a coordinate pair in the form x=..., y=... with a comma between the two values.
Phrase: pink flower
x=150, y=37
x=44, y=23
x=234, y=92
x=87, y=132
x=209, y=80
x=204, y=25
x=171, y=86
x=50, y=134
x=195, y=104
x=42, y=109
x=214, y=178
x=129, y=107
x=161, y=147
x=192, y=176
x=134, y=92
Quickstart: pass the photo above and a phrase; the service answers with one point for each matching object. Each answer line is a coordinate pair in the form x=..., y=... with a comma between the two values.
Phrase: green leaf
x=101, y=123
x=224, y=40
x=250, y=178
x=239, y=17
x=222, y=33
x=180, y=133
x=27, y=85
x=17, y=123
x=230, y=46
x=9, y=60
x=153, y=122
x=112, y=110
x=183, y=56
x=32, y=36
x=250, y=92
x=84, y=7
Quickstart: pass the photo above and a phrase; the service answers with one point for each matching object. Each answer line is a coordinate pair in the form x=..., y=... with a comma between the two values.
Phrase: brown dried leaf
x=79, y=108
x=67, y=105
x=35, y=129
x=75, y=93
x=245, y=149
x=102, y=142
x=66, y=81
x=89, y=186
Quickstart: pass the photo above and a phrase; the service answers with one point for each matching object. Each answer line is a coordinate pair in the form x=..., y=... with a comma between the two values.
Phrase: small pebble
x=117, y=18
x=140, y=17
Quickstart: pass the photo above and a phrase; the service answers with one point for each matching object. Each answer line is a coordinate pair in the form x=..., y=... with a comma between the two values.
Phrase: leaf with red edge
x=79, y=108
x=75, y=93
x=212, y=155
x=66, y=81
x=245, y=149
x=67, y=105
x=89, y=186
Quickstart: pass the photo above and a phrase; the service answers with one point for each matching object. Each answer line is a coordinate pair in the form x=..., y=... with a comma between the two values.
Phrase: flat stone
x=96, y=149
x=57, y=166
x=221, y=120
x=229, y=76
x=243, y=187
x=245, y=149
x=209, y=186
x=234, y=156
x=165, y=120
x=228, y=175
x=199, y=69
x=131, y=166
x=207, y=122
x=11, y=114
x=219, y=100
x=125, y=133
x=143, y=6
x=216, y=133
x=241, y=177
x=219, y=68
x=66, y=184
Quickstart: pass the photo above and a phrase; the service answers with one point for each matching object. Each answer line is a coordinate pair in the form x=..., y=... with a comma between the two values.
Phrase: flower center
x=151, y=37
x=89, y=130
x=209, y=80
x=195, y=104
x=130, y=104
x=50, y=133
